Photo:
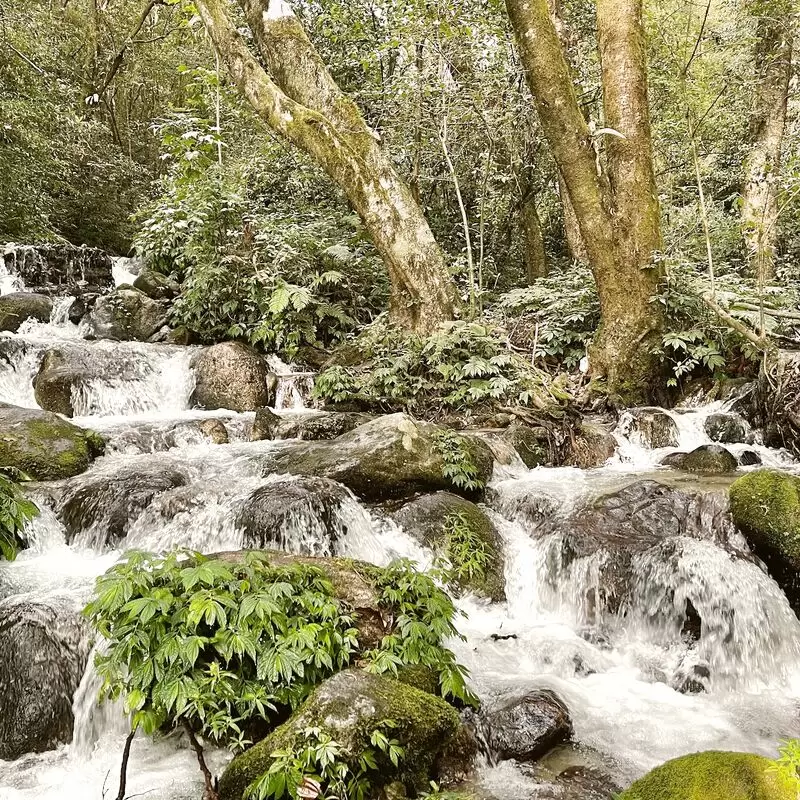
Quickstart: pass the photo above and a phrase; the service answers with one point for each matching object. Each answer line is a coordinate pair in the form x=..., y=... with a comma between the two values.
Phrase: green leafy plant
x=468, y=556
x=15, y=511
x=463, y=366
x=787, y=765
x=335, y=771
x=459, y=462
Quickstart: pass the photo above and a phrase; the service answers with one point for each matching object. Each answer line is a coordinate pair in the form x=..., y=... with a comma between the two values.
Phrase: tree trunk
x=536, y=265
x=572, y=229
x=616, y=207
x=773, y=60
x=300, y=100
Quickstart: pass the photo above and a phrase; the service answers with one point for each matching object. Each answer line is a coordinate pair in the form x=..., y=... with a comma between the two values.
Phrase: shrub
x=15, y=511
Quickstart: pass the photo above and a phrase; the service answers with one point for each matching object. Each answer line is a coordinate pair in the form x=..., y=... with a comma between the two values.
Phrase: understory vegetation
x=15, y=511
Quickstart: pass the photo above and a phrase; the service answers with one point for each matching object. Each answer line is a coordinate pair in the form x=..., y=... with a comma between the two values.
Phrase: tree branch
x=123, y=770
x=759, y=341
x=210, y=792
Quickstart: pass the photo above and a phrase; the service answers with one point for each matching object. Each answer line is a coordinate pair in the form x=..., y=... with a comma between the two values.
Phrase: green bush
x=15, y=511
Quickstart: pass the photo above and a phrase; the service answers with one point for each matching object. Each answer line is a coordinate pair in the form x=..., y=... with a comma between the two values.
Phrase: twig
x=210, y=792
x=759, y=341
x=123, y=770
x=25, y=59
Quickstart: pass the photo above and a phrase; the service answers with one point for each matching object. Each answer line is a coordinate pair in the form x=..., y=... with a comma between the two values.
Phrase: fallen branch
x=770, y=312
x=759, y=341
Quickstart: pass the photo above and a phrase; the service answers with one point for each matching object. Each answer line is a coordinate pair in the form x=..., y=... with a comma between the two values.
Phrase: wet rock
x=457, y=529
x=309, y=427
x=126, y=315
x=591, y=447
x=232, y=376
x=708, y=459
x=43, y=650
x=586, y=783
x=80, y=307
x=652, y=428
x=101, y=507
x=455, y=765
x=713, y=776
x=530, y=443
x=765, y=506
x=726, y=428
x=59, y=269
x=301, y=515
x=694, y=679
x=59, y=372
x=527, y=728
x=156, y=285
x=43, y=445
x=749, y=458
x=17, y=307
x=348, y=707
x=392, y=456
x=215, y=430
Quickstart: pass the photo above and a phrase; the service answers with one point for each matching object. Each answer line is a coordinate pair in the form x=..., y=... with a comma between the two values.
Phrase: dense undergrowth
x=15, y=511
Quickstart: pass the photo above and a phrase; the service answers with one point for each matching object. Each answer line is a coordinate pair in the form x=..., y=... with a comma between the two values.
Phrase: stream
x=616, y=671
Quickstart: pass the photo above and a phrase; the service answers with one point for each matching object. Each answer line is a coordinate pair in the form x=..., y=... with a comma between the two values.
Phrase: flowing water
x=616, y=669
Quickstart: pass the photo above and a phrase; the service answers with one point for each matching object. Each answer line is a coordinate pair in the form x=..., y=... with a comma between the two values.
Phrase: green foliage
x=220, y=645
x=339, y=773
x=15, y=511
x=465, y=365
x=459, y=463
x=423, y=618
x=468, y=554
x=437, y=793
x=787, y=765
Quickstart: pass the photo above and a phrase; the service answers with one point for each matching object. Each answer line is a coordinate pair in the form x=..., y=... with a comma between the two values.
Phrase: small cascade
x=293, y=387
x=58, y=269
x=125, y=270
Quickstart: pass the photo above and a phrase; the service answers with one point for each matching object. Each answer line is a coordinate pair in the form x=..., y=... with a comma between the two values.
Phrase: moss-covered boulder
x=765, y=506
x=708, y=459
x=126, y=315
x=392, y=456
x=591, y=447
x=43, y=445
x=156, y=285
x=304, y=425
x=349, y=707
x=649, y=427
x=461, y=532
x=712, y=776
x=16, y=307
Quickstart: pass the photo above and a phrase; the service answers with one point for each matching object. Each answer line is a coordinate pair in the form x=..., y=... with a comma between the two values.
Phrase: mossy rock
x=765, y=506
x=349, y=707
x=712, y=776
x=43, y=445
x=436, y=520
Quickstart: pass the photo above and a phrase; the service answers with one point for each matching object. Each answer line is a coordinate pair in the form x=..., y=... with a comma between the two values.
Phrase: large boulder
x=714, y=776
x=156, y=285
x=16, y=307
x=100, y=507
x=652, y=428
x=707, y=459
x=349, y=707
x=726, y=428
x=391, y=456
x=126, y=315
x=591, y=447
x=526, y=728
x=43, y=445
x=44, y=649
x=765, y=506
x=461, y=532
x=308, y=426
x=232, y=376
x=59, y=372
x=303, y=515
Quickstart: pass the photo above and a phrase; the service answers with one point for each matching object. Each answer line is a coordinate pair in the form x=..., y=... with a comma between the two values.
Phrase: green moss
x=766, y=506
x=712, y=776
x=348, y=707
x=426, y=679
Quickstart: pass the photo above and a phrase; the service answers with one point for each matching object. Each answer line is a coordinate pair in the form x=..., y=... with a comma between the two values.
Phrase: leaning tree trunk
x=616, y=206
x=572, y=228
x=773, y=61
x=535, y=257
x=297, y=97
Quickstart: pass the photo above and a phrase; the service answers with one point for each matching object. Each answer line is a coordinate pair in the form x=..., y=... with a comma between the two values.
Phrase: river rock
x=43, y=649
x=451, y=525
x=391, y=456
x=156, y=285
x=101, y=507
x=713, y=776
x=726, y=428
x=60, y=269
x=527, y=728
x=652, y=428
x=43, y=445
x=591, y=447
x=126, y=315
x=708, y=459
x=306, y=426
x=348, y=707
x=232, y=376
x=749, y=458
x=214, y=429
x=301, y=515
x=16, y=307
x=531, y=444
x=585, y=783
x=58, y=373
x=765, y=506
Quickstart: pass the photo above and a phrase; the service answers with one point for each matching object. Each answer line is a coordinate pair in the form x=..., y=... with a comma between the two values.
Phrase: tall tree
x=294, y=93
x=614, y=197
x=772, y=54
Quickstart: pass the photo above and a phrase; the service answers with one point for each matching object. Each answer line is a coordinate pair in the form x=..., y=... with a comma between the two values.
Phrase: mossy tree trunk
x=772, y=56
x=536, y=265
x=293, y=92
x=614, y=197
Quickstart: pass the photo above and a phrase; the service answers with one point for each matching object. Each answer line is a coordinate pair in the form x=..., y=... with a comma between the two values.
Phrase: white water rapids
x=615, y=673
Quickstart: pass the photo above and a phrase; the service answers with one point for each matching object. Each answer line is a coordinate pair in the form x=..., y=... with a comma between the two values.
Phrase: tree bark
x=616, y=206
x=773, y=60
x=536, y=265
x=297, y=97
x=572, y=228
